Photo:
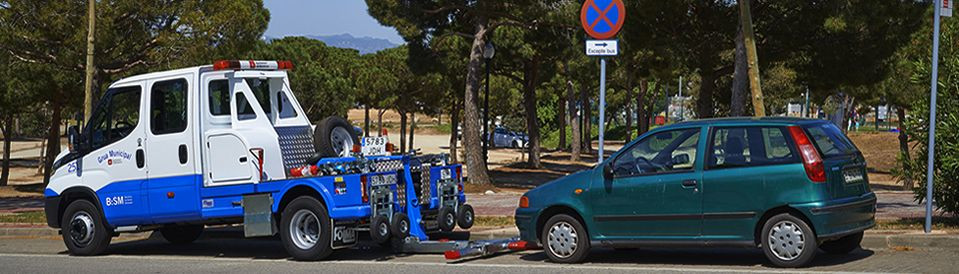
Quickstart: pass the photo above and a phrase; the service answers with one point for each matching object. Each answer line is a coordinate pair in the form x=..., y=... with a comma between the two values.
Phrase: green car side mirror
x=608, y=171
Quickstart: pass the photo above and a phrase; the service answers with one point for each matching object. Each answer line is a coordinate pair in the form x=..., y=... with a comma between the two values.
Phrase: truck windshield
x=830, y=140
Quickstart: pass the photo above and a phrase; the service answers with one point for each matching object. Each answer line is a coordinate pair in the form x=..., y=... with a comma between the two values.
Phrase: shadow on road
x=699, y=256
x=230, y=243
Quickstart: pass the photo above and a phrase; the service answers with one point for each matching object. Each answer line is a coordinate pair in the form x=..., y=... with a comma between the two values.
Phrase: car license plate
x=374, y=146
x=852, y=175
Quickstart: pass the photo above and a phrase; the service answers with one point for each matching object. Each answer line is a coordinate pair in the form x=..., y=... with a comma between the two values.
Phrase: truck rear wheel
x=305, y=229
x=465, y=216
x=334, y=137
x=181, y=234
x=380, y=229
x=447, y=219
x=400, y=226
x=84, y=231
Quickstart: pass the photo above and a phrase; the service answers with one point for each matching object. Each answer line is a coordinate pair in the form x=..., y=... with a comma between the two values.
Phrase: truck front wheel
x=305, y=229
x=84, y=231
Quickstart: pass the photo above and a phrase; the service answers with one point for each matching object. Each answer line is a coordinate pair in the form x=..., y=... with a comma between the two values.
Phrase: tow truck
x=228, y=143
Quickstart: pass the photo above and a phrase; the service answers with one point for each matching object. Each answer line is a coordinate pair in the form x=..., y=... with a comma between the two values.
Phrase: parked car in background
x=789, y=186
x=503, y=137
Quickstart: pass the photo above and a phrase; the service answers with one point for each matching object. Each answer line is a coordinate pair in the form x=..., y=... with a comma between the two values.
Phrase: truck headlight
x=445, y=174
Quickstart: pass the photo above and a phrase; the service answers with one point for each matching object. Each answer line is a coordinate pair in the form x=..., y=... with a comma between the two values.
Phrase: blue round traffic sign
x=602, y=19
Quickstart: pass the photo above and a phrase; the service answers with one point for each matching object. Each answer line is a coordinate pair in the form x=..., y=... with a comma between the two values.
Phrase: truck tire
x=181, y=234
x=380, y=230
x=400, y=226
x=334, y=137
x=84, y=231
x=465, y=216
x=305, y=229
x=447, y=219
x=788, y=241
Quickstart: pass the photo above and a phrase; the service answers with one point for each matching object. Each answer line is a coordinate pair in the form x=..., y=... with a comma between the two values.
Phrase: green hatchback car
x=789, y=186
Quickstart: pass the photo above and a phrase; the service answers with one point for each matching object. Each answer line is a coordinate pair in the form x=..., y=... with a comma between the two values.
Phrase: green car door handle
x=690, y=183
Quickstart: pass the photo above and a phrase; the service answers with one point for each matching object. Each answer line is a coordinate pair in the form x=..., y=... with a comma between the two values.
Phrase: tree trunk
x=531, y=72
x=366, y=120
x=704, y=104
x=737, y=99
x=454, y=134
x=907, y=182
x=403, y=133
x=577, y=145
x=642, y=121
x=629, y=108
x=561, y=121
x=412, y=127
x=475, y=165
x=587, y=123
x=7, y=139
x=379, y=122
x=53, y=141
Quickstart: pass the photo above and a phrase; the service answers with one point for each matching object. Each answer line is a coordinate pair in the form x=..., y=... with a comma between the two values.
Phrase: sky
x=325, y=17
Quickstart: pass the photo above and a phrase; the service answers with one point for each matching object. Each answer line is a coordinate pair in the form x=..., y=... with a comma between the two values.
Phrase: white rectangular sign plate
x=602, y=47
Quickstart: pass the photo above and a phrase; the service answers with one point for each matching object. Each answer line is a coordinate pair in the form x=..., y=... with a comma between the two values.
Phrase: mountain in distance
x=365, y=45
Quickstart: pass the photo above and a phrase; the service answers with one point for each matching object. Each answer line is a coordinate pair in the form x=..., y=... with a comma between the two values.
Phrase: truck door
x=173, y=181
x=114, y=166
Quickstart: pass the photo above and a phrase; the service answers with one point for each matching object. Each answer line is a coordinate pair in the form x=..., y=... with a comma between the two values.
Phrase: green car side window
x=750, y=146
x=662, y=152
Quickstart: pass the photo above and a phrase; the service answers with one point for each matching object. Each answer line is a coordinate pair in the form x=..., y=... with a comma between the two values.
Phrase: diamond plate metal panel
x=296, y=145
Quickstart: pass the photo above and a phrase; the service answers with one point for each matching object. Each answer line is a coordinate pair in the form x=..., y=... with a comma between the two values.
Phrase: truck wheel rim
x=404, y=226
x=304, y=229
x=450, y=220
x=562, y=239
x=341, y=141
x=81, y=228
x=383, y=229
x=468, y=217
x=786, y=240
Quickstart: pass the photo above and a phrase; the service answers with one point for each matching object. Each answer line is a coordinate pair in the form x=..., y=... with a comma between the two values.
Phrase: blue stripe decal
x=50, y=193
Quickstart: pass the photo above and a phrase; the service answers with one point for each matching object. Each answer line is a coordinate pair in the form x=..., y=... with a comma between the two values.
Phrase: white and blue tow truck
x=228, y=143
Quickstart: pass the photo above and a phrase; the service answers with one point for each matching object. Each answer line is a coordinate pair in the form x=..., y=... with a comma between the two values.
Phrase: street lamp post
x=488, y=52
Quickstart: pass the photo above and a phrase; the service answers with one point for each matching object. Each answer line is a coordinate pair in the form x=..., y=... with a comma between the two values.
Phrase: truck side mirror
x=608, y=171
x=73, y=138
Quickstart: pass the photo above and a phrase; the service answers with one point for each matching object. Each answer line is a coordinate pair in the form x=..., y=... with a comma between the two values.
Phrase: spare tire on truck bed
x=334, y=137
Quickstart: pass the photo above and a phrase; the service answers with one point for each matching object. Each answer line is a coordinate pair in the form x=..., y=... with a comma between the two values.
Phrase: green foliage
x=946, y=165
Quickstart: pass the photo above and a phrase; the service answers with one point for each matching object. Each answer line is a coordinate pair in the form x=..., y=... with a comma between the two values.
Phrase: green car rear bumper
x=837, y=218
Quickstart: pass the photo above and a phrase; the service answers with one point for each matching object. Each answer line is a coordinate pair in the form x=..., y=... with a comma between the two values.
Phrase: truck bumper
x=837, y=218
x=51, y=207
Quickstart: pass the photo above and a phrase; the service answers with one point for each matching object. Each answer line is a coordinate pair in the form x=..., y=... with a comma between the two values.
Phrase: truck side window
x=243, y=108
x=284, y=107
x=116, y=117
x=168, y=107
x=261, y=90
x=219, y=93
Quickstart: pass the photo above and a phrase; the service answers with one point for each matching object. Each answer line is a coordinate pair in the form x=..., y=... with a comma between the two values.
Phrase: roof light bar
x=252, y=65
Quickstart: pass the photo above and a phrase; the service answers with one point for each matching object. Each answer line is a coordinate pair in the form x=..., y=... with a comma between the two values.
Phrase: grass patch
x=32, y=217
x=938, y=223
x=493, y=221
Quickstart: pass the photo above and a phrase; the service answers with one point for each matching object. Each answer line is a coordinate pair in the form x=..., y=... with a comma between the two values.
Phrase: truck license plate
x=374, y=146
x=343, y=235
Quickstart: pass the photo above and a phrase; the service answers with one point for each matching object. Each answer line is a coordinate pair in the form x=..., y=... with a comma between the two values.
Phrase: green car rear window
x=830, y=140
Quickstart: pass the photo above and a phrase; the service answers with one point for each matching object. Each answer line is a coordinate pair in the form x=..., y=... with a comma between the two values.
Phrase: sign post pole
x=932, y=114
x=602, y=106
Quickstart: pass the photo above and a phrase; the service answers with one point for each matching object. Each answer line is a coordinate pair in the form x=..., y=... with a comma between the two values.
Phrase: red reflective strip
x=518, y=245
x=451, y=254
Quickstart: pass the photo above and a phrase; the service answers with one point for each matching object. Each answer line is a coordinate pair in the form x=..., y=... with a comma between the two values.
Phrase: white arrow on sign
x=602, y=47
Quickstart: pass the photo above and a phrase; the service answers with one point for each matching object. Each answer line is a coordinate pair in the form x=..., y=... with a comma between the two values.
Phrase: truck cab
x=219, y=144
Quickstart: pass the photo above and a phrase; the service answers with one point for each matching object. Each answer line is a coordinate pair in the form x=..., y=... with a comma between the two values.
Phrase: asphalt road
x=229, y=253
